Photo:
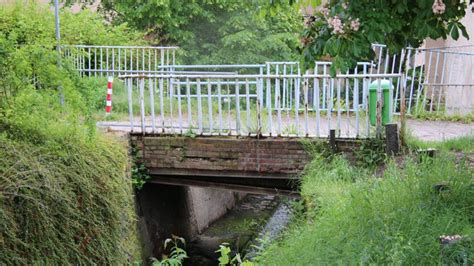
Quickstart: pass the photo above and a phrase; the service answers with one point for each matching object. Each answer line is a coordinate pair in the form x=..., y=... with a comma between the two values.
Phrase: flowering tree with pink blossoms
x=345, y=29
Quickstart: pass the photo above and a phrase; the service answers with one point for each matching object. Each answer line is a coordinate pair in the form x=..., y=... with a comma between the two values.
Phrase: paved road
x=439, y=130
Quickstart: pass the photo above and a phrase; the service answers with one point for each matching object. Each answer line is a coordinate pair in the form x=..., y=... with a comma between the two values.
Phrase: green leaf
x=463, y=30
x=333, y=70
x=455, y=32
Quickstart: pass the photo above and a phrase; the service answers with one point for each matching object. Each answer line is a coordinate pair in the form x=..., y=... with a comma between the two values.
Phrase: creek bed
x=253, y=217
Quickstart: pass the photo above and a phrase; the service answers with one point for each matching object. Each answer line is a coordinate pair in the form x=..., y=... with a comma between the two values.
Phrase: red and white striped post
x=108, y=105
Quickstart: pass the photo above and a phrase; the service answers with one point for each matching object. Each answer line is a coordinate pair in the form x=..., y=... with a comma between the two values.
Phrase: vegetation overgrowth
x=65, y=197
x=234, y=31
x=65, y=193
x=28, y=58
x=352, y=216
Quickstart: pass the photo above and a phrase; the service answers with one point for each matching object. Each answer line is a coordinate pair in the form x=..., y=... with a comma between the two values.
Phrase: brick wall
x=229, y=156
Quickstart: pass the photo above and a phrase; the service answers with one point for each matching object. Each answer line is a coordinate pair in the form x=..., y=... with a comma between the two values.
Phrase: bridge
x=244, y=126
x=265, y=165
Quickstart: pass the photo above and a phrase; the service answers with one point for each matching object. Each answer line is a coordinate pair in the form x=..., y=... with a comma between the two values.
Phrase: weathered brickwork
x=243, y=156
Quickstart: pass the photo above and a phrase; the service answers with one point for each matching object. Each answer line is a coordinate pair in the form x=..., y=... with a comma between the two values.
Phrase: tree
x=214, y=31
x=345, y=30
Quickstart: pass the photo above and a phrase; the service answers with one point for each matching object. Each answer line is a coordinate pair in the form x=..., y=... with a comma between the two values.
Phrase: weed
x=70, y=193
x=291, y=130
x=190, y=133
x=371, y=153
x=139, y=171
x=226, y=258
x=177, y=255
x=318, y=148
x=441, y=115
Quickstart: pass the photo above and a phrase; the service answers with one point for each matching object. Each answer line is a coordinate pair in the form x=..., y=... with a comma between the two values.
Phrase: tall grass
x=356, y=218
x=65, y=196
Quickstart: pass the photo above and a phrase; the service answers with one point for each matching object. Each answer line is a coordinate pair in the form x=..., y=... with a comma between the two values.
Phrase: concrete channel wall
x=206, y=205
x=183, y=211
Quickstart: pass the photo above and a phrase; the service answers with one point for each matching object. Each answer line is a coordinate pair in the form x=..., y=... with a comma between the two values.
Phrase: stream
x=251, y=225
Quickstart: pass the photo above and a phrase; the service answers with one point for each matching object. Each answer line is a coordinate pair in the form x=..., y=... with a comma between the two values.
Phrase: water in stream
x=255, y=217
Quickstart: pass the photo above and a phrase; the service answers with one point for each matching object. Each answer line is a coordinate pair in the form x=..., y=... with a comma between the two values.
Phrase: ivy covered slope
x=355, y=217
x=64, y=192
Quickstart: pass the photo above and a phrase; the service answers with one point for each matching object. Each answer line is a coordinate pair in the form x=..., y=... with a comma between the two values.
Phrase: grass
x=352, y=217
x=464, y=144
x=442, y=116
x=65, y=195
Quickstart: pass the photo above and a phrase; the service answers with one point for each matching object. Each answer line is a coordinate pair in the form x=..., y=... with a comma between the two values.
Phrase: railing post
x=219, y=103
x=317, y=107
x=188, y=96
x=259, y=116
x=260, y=84
x=209, y=106
x=380, y=103
x=402, y=111
x=152, y=86
x=237, y=106
x=392, y=140
x=130, y=103
x=142, y=105
x=247, y=105
x=199, y=102
x=332, y=140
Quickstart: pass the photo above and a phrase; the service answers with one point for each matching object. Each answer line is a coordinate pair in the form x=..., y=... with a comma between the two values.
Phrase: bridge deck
x=265, y=165
x=424, y=130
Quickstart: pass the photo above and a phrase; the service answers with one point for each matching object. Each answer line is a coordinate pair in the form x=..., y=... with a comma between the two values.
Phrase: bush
x=355, y=218
x=28, y=58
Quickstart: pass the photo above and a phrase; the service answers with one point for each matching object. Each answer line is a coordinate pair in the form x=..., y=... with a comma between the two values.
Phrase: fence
x=438, y=80
x=90, y=60
x=250, y=104
x=442, y=81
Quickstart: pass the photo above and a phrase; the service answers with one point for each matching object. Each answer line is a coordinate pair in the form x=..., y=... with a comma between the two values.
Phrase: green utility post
x=387, y=90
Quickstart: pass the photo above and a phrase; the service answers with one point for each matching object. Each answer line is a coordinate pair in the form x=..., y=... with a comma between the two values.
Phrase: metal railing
x=250, y=104
x=438, y=80
x=92, y=60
